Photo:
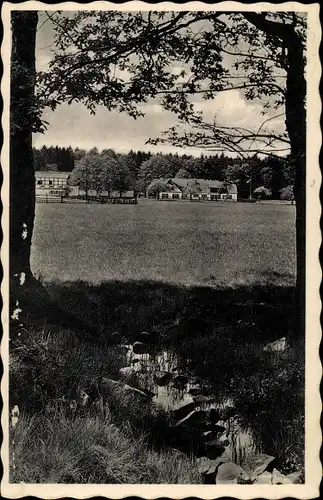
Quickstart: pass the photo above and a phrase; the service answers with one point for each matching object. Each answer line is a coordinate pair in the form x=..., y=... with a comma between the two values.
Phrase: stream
x=174, y=389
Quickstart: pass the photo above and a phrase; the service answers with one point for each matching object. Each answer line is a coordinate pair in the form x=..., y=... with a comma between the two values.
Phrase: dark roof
x=204, y=184
x=51, y=173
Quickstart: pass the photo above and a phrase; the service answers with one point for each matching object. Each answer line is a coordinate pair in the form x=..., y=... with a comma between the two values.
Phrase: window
x=176, y=196
x=39, y=183
x=164, y=195
x=50, y=182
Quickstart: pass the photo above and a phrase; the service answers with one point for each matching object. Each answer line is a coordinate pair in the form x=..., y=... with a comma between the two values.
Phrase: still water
x=164, y=375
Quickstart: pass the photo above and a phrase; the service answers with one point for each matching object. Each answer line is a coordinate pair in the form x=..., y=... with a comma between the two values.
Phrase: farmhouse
x=51, y=182
x=195, y=189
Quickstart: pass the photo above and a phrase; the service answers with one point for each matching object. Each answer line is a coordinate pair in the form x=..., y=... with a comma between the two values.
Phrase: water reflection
x=166, y=376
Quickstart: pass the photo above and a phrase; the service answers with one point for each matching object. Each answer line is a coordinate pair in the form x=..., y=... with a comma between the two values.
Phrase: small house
x=51, y=182
x=196, y=189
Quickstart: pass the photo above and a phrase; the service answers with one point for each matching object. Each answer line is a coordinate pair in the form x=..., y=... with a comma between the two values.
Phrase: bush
x=273, y=402
x=287, y=193
x=262, y=193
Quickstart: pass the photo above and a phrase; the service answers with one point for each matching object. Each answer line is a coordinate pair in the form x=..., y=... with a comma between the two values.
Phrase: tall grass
x=113, y=436
x=46, y=367
x=90, y=450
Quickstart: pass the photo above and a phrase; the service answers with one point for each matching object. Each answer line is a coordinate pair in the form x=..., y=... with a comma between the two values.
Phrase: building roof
x=204, y=184
x=51, y=173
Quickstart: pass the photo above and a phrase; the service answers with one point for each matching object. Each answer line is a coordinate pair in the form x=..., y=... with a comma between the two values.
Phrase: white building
x=51, y=182
x=197, y=189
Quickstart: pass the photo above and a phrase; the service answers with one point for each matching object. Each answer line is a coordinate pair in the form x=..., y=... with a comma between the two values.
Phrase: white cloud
x=73, y=125
x=232, y=109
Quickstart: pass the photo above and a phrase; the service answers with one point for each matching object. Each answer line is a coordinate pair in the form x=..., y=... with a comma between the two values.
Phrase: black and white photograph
x=160, y=255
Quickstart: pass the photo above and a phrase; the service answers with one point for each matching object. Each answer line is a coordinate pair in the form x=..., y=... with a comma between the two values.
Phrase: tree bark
x=22, y=175
x=296, y=128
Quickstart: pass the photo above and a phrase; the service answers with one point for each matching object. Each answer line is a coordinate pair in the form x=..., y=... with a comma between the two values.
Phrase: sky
x=73, y=125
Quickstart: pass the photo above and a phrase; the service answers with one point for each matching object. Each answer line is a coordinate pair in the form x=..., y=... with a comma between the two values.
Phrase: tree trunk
x=296, y=127
x=22, y=175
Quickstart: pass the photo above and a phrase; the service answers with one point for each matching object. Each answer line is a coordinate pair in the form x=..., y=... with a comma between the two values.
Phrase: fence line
x=61, y=199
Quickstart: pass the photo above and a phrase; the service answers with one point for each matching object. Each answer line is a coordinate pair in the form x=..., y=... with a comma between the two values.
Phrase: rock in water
x=264, y=478
x=295, y=477
x=195, y=389
x=203, y=464
x=208, y=468
x=182, y=409
x=200, y=399
x=141, y=348
x=279, y=478
x=256, y=464
x=162, y=378
x=108, y=386
x=127, y=372
x=209, y=436
x=278, y=345
x=193, y=419
x=230, y=473
x=135, y=392
x=180, y=379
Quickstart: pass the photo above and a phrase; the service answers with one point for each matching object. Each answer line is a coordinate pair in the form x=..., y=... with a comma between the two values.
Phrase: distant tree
x=287, y=193
x=39, y=163
x=122, y=178
x=156, y=167
x=89, y=173
x=78, y=154
x=272, y=170
x=192, y=189
x=183, y=174
x=157, y=186
x=262, y=193
x=94, y=151
x=116, y=172
x=109, y=165
x=54, y=158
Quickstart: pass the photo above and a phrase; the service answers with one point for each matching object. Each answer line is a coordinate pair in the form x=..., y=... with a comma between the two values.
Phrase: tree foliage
x=119, y=60
x=54, y=158
x=102, y=172
x=287, y=193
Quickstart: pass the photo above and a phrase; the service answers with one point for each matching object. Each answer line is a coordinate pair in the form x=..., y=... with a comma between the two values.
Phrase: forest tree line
x=270, y=177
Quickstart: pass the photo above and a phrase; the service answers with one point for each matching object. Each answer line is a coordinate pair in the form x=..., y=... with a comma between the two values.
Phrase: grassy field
x=183, y=243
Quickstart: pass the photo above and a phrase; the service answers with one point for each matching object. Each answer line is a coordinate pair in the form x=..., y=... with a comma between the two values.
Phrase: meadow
x=194, y=244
